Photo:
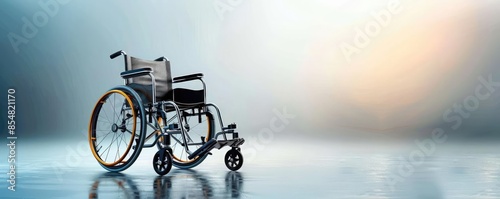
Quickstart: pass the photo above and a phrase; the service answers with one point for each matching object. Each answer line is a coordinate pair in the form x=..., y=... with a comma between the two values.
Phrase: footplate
x=218, y=144
x=231, y=143
x=207, y=147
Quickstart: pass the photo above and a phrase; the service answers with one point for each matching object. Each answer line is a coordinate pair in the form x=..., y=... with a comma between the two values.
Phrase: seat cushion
x=185, y=97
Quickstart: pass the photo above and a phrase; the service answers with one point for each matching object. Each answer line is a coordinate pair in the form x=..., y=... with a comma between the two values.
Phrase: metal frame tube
x=179, y=119
x=220, y=119
x=153, y=85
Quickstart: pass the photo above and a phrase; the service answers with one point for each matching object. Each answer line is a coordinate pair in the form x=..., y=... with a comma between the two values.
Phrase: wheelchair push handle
x=116, y=54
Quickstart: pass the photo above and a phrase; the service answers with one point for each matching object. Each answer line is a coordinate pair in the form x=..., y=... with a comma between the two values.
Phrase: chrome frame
x=204, y=95
x=162, y=104
x=179, y=119
x=221, y=123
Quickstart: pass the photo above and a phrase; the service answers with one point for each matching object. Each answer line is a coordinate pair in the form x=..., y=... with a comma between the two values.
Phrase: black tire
x=162, y=167
x=233, y=160
x=127, y=125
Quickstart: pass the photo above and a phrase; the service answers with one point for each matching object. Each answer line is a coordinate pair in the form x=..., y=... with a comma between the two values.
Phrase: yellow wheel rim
x=92, y=139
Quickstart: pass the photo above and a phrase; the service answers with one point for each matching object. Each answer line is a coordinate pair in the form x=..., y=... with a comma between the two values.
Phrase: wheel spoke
x=112, y=141
x=104, y=138
x=124, y=139
x=118, y=155
x=106, y=115
x=98, y=120
x=109, y=147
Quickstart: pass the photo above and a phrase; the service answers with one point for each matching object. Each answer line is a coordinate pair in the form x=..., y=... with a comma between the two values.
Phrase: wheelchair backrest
x=161, y=72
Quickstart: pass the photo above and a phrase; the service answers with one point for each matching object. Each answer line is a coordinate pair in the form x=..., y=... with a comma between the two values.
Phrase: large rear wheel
x=117, y=129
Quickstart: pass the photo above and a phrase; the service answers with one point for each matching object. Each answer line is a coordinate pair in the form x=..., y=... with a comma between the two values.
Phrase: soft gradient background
x=262, y=55
x=258, y=56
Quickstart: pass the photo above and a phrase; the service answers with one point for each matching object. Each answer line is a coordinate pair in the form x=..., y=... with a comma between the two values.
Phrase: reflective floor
x=319, y=170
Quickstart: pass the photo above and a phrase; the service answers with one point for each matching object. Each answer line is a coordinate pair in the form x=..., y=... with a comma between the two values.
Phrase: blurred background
x=353, y=72
x=394, y=80
x=412, y=65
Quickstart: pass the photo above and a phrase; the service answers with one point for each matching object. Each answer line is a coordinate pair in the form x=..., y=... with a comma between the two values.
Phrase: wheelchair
x=147, y=111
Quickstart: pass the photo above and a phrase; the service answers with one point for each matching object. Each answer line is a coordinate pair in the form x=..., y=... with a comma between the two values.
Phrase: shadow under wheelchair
x=179, y=184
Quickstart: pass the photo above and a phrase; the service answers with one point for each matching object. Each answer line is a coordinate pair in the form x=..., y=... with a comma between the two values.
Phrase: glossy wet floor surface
x=277, y=171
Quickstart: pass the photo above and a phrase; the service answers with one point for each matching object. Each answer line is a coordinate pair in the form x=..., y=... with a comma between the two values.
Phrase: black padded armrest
x=136, y=73
x=188, y=77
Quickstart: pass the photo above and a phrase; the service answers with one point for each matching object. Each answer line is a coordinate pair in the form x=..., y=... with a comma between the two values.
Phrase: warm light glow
x=401, y=69
x=400, y=79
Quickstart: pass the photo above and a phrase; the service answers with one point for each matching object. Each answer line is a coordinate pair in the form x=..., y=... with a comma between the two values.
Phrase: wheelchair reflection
x=181, y=184
x=114, y=185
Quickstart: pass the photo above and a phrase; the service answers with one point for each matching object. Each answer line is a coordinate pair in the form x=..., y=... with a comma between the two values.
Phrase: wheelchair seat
x=184, y=98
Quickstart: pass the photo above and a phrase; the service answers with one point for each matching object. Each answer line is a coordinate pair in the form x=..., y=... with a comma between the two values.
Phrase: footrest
x=205, y=148
x=231, y=143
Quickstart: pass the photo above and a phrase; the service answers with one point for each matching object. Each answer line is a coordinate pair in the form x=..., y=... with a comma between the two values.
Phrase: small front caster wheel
x=233, y=159
x=162, y=165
